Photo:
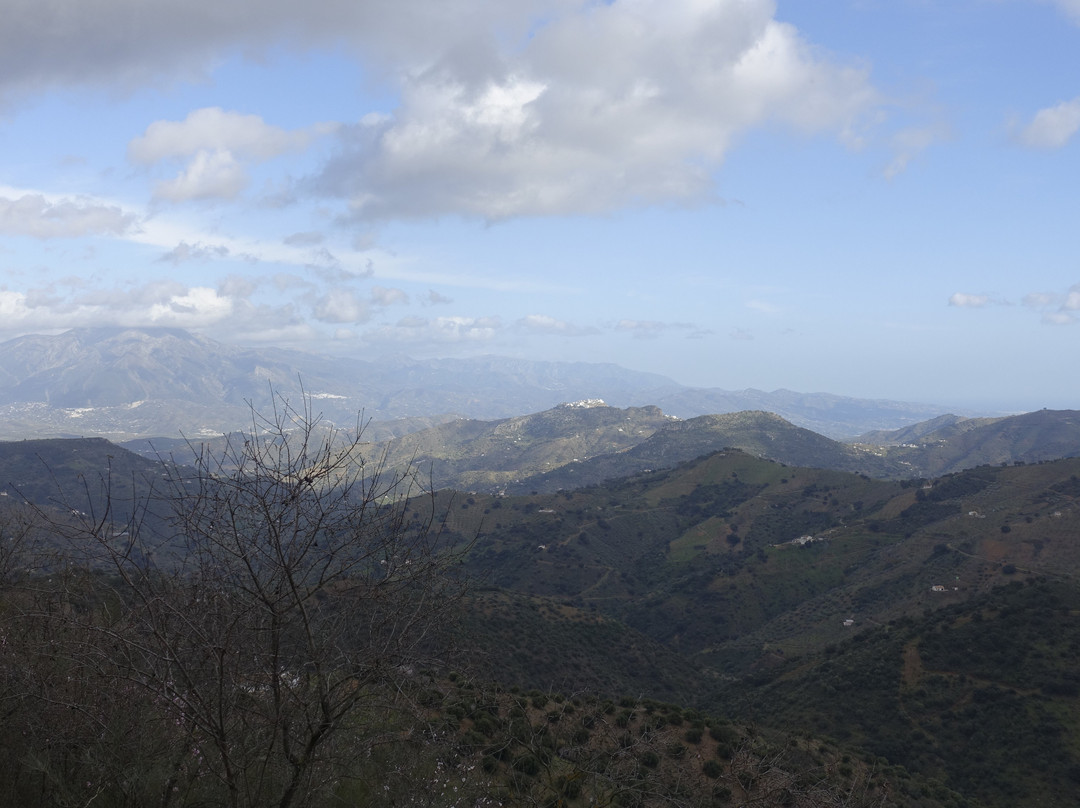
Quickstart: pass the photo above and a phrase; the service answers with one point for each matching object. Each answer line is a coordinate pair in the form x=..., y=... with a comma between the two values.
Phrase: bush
x=676, y=750
x=527, y=764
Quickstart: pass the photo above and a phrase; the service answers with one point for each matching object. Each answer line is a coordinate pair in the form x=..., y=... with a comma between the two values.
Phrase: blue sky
x=870, y=198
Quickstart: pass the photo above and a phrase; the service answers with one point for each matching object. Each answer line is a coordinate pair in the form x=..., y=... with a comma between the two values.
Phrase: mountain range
x=901, y=617
x=157, y=382
x=588, y=443
x=897, y=610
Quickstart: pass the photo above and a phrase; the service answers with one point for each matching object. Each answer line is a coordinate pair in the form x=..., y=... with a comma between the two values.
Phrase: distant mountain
x=589, y=443
x=127, y=383
x=761, y=434
x=570, y=447
x=942, y=426
x=949, y=444
x=490, y=455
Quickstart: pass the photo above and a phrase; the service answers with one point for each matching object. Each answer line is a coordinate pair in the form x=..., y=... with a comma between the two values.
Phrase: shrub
x=712, y=769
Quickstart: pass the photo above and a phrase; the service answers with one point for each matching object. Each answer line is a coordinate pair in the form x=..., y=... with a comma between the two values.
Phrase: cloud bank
x=636, y=102
x=531, y=108
x=35, y=215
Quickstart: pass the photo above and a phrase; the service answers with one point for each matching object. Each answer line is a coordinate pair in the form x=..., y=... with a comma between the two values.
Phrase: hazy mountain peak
x=85, y=381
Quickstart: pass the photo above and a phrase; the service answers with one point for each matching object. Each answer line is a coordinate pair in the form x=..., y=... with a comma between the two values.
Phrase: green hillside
x=895, y=620
x=981, y=695
x=949, y=444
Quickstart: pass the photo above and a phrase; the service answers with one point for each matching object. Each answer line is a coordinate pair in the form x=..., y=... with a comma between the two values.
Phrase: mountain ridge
x=86, y=381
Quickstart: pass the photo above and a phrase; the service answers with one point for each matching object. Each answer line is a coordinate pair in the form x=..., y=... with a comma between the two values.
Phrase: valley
x=634, y=607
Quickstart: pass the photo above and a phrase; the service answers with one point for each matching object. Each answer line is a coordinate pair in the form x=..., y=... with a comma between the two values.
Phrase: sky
x=873, y=198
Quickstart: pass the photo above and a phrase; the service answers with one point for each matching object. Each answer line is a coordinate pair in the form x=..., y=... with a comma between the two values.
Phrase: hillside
x=947, y=446
x=588, y=443
x=981, y=695
x=722, y=580
x=761, y=434
x=792, y=580
x=488, y=455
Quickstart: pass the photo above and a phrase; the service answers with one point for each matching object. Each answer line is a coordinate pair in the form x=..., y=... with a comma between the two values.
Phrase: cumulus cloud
x=634, y=102
x=214, y=142
x=67, y=304
x=213, y=129
x=1052, y=127
x=968, y=301
x=536, y=107
x=341, y=306
x=196, y=306
x=1056, y=308
x=209, y=175
x=35, y=215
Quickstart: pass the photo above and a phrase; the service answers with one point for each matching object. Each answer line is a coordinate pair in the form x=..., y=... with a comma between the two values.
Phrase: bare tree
x=274, y=605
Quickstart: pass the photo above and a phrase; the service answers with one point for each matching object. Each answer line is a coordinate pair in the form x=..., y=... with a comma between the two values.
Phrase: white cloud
x=536, y=107
x=433, y=298
x=635, y=102
x=908, y=144
x=968, y=301
x=1056, y=308
x=13, y=307
x=381, y=296
x=210, y=174
x=545, y=324
x=72, y=303
x=424, y=333
x=1052, y=127
x=304, y=239
x=341, y=306
x=194, y=252
x=213, y=129
x=197, y=306
x=33, y=214
x=1038, y=300
x=214, y=141
x=641, y=329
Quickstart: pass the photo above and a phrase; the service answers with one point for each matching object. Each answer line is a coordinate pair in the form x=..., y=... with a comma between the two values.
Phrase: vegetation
x=282, y=608
x=254, y=653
